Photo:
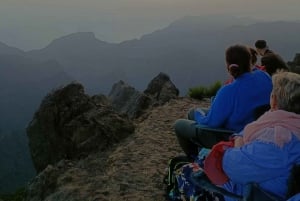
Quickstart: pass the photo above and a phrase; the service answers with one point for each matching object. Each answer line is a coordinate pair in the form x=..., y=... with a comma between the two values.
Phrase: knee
x=191, y=114
x=178, y=126
x=183, y=127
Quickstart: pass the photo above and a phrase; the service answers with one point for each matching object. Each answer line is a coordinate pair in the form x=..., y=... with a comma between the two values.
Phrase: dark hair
x=260, y=44
x=238, y=59
x=273, y=63
x=253, y=56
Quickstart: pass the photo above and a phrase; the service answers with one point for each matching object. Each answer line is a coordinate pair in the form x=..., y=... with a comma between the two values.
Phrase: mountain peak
x=79, y=35
x=77, y=39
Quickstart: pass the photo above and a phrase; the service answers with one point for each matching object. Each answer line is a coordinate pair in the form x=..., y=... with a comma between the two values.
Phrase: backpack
x=179, y=186
x=171, y=191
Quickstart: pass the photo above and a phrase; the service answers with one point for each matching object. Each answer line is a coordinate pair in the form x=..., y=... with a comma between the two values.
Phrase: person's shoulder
x=261, y=73
x=226, y=89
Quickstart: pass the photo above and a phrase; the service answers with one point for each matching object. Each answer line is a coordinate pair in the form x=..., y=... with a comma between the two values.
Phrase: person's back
x=269, y=167
x=270, y=146
x=234, y=104
x=238, y=101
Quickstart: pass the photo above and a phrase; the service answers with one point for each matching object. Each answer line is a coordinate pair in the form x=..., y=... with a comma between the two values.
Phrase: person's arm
x=254, y=162
x=220, y=109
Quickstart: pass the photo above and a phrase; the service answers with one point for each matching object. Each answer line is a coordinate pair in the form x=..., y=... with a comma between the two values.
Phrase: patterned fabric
x=180, y=186
x=188, y=191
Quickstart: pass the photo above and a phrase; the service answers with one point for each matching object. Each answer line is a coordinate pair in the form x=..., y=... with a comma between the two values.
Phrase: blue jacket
x=295, y=197
x=263, y=163
x=234, y=103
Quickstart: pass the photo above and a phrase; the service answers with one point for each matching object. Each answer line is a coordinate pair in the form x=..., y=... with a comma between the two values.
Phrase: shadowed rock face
x=295, y=64
x=131, y=170
x=162, y=89
x=126, y=99
x=69, y=125
x=74, y=142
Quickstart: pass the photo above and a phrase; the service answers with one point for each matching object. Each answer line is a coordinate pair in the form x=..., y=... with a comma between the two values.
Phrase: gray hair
x=286, y=89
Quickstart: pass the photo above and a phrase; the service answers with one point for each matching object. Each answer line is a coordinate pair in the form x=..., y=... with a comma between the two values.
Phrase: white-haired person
x=269, y=147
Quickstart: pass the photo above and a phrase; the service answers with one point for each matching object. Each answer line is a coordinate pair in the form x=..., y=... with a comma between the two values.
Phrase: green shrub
x=201, y=92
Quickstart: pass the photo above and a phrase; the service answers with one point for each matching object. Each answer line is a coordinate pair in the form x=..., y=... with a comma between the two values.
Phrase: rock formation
x=126, y=99
x=69, y=124
x=162, y=89
x=83, y=150
x=295, y=64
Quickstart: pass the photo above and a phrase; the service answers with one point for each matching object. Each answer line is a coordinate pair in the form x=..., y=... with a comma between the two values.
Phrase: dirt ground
x=132, y=170
x=137, y=166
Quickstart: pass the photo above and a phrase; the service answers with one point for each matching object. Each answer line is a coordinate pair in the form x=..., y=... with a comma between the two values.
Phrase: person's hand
x=238, y=141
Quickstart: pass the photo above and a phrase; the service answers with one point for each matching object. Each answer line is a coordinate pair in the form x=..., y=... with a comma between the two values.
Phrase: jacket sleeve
x=219, y=111
x=255, y=162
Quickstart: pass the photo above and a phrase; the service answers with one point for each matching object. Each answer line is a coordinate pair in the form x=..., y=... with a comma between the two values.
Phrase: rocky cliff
x=84, y=149
x=69, y=125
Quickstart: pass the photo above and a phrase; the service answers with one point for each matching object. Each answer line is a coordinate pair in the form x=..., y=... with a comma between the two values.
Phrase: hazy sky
x=31, y=24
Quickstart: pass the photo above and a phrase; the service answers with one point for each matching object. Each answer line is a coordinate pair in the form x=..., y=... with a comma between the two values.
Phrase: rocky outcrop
x=70, y=124
x=295, y=64
x=128, y=100
x=83, y=150
x=132, y=170
x=161, y=89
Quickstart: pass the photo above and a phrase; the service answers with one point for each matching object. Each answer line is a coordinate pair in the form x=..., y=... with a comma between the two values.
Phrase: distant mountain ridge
x=194, y=44
x=5, y=49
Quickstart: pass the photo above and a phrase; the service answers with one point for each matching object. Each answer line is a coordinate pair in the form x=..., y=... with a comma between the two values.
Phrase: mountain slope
x=5, y=49
x=23, y=83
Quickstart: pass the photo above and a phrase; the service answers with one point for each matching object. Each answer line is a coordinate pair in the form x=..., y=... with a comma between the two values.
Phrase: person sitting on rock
x=233, y=105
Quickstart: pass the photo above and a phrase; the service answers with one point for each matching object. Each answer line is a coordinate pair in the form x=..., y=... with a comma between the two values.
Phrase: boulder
x=161, y=89
x=126, y=99
x=69, y=124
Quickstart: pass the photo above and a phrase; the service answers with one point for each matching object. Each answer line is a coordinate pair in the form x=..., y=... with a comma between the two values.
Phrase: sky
x=33, y=24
